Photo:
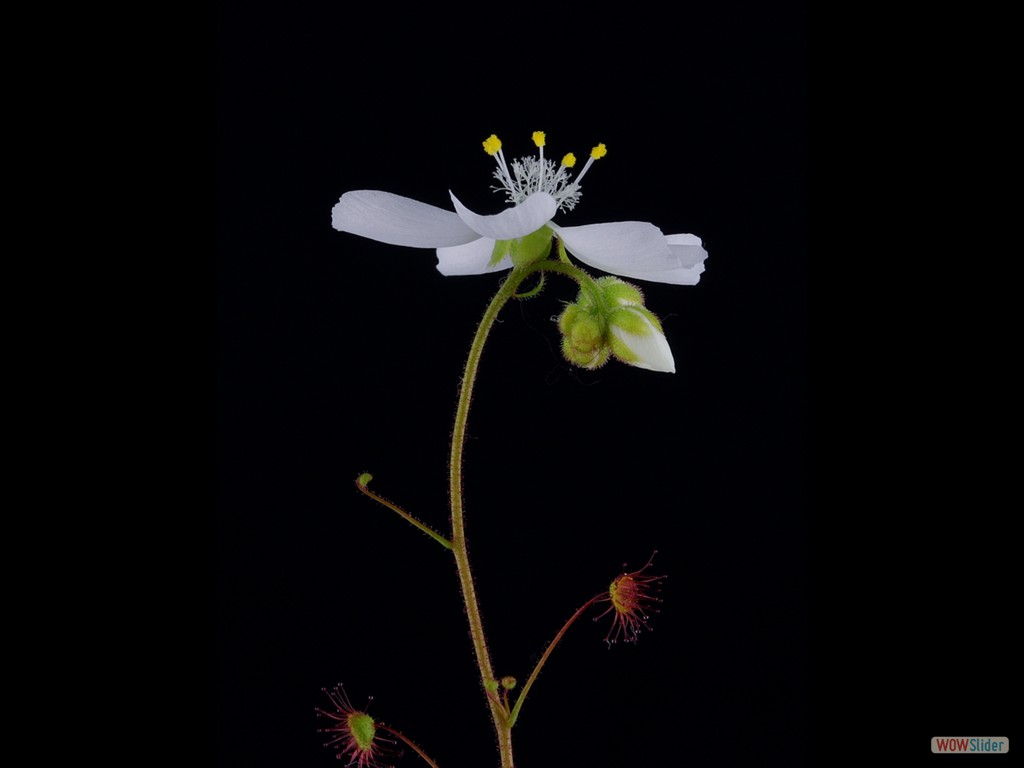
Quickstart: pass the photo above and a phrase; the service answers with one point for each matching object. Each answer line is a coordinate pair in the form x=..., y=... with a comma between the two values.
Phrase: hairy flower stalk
x=502, y=725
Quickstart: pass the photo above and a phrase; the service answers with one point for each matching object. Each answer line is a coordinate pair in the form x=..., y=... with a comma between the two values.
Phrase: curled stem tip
x=529, y=294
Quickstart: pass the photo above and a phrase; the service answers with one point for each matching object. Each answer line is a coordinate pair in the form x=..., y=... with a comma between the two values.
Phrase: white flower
x=537, y=188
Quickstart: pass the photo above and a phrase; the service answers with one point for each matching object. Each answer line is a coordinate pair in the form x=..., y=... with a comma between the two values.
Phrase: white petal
x=398, y=220
x=677, y=276
x=628, y=248
x=687, y=248
x=683, y=240
x=470, y=259
x=529, y=216
x=691, y=255
x=652, y=348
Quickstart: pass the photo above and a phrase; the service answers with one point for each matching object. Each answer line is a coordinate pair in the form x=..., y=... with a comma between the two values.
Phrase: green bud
x=618, y=293
x=613, y=321
x=364, y=479
x=637, y=338
x=583, y=336
x=491, y=685
x=508, y=682
x=568, y=316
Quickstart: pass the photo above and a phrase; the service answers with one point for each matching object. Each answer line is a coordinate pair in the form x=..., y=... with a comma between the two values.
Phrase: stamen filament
x=504, y=167
x=595, y=154
x=538, y=139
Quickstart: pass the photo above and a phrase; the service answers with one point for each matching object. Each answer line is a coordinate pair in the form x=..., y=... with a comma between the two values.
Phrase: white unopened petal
x=527, y=217
x=398, y=220
x=651, y=348
x=470, y=259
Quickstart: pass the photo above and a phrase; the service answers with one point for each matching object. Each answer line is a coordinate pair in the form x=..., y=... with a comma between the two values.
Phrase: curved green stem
x=585, y=281
x=533, y=291
x=543, y=659
x=459, y=548
x=499, y=714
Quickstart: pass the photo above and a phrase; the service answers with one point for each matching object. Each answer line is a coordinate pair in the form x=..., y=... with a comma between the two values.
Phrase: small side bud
x=583, y=335
x=619, y=293
x=508, y=682
x=613, y=322
x=491, y=685
x=638, y=339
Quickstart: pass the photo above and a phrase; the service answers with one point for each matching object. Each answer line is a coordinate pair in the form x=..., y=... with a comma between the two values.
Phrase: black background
x=338, y=355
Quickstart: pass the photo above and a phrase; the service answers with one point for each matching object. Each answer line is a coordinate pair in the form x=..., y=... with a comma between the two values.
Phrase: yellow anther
x=569, y=160
x=538, y=138
x=599, y=151
x=492, y=145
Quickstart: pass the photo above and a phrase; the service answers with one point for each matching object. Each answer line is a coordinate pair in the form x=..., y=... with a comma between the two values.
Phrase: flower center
x=528, y=175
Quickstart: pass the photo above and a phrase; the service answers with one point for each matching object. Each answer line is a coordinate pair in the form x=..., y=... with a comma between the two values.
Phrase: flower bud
x=613, y=321
x=583, y=336
x=637, y=339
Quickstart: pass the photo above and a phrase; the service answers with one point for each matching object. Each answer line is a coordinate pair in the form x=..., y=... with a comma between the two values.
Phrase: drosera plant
x=607, y=320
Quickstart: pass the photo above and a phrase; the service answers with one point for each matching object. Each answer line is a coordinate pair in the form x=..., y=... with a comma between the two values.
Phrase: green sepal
x=618, y=293
x=533, y=247
x=500, y=251
x=631, y=320
x=621, y=351
x=523, y=250
x=653, y=318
